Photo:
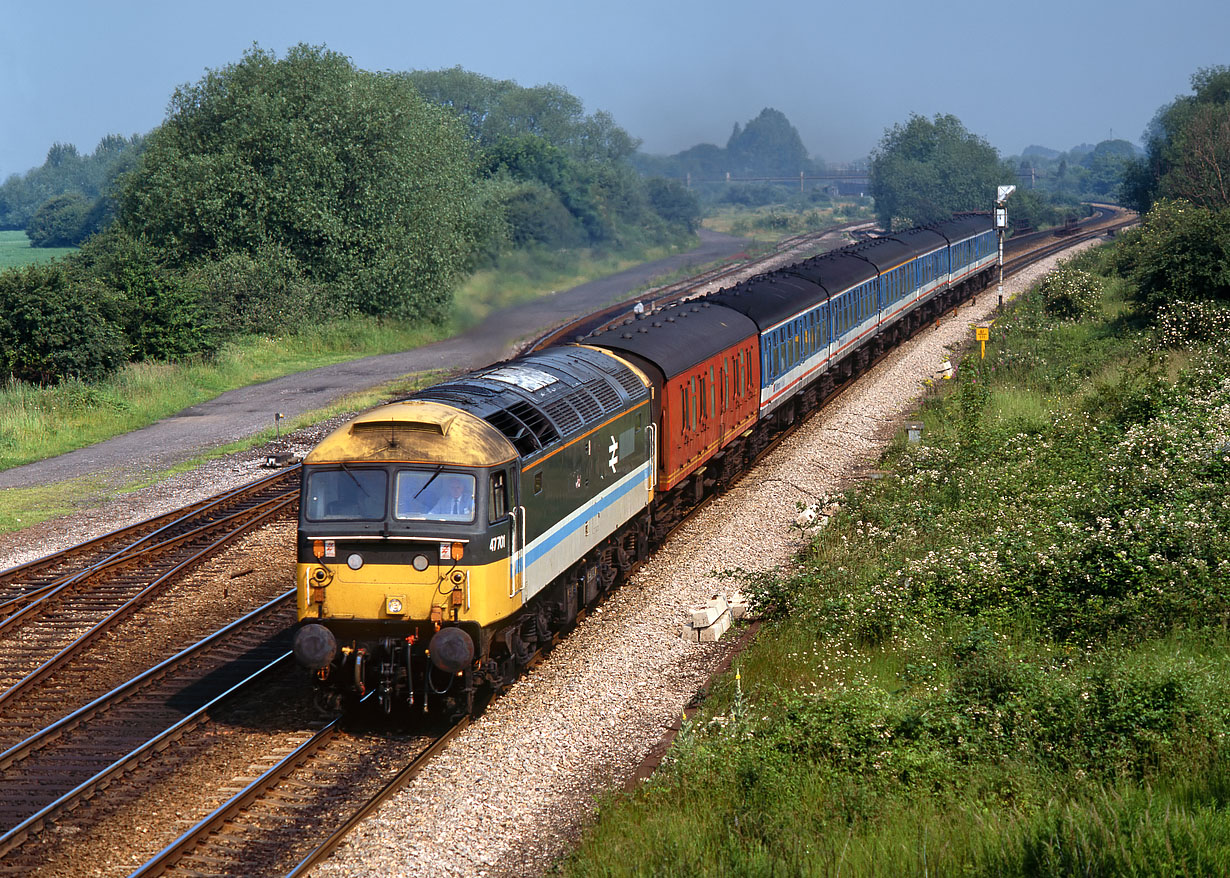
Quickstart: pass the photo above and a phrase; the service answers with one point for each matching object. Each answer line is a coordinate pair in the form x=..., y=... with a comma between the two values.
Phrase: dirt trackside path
x=246, y=411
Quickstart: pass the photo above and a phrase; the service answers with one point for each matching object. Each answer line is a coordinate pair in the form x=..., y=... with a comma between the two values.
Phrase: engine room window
x=538, y=482
x=350, y=494
x=435, y=495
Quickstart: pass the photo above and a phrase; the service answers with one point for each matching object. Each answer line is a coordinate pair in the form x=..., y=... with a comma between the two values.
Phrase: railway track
x=300, y=809
x=70, y=601
x=57, y=768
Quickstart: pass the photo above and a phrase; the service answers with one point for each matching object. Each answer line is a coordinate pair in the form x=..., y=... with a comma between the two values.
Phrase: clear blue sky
x=672, y=73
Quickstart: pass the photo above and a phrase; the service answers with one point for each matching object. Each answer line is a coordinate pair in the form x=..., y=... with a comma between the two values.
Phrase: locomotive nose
x=451, y=649
x=315, y=646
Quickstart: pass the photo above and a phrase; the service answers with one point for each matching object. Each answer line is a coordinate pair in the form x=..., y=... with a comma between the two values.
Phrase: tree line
x=301, y=188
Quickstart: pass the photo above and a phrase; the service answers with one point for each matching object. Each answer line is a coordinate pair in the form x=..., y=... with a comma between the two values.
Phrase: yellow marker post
x=982, y=333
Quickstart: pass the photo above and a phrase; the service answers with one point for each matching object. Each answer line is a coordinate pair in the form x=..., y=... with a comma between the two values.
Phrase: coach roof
x=677, y=337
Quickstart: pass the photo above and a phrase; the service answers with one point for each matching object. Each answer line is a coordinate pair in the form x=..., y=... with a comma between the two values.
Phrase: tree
x=366, y=185
x=1187, y=147
x=62, y=221
x=1180, y=253
x=1105, y=165
x=674, y=202
x=66, y=172
x=767, y=146
x=161, y=312
x=928, y=169
x=1200, y=171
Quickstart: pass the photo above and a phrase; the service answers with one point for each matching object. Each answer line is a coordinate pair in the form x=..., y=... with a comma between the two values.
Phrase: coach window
x=499, y=497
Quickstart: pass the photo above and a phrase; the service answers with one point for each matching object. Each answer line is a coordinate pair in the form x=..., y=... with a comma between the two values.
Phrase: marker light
x=458, y=550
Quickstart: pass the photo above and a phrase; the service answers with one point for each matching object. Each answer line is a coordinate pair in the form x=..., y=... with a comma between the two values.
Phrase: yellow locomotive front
x=406, y=529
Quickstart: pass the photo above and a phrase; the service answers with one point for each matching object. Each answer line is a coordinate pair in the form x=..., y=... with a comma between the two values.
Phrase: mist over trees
x=1088, y=172
x=559, y=177
x=766, y=146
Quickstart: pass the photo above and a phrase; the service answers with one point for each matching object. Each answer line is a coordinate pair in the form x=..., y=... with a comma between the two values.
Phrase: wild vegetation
x=1009, y=654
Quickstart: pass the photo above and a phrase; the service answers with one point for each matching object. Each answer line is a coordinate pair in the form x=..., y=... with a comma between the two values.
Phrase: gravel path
x=513, y=793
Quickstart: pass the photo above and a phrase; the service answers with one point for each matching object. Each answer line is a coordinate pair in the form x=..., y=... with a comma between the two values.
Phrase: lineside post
x=1001, y=223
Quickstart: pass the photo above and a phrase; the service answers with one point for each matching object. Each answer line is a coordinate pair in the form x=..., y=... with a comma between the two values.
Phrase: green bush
x=1180, y=253
x=1071, y=294
x=49, y=331
x=262, y=294
x=162, y=312
x=62, y=221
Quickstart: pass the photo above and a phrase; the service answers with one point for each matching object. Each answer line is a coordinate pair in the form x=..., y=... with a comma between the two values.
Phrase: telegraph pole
x=1001, y=223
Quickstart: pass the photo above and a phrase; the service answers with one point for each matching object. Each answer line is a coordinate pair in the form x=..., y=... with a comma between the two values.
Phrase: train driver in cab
x=455, y=503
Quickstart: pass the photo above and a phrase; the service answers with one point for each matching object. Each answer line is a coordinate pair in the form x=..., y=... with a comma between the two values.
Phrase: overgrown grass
x=16, y=252
x=1008, y=656
x=772, y=222
x=523, y=275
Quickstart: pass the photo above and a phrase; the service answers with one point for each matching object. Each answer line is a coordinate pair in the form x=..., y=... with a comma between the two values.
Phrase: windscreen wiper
x=358, y=484
x=439, y=469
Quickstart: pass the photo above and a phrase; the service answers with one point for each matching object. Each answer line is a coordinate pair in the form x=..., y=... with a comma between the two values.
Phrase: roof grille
x=524, y=426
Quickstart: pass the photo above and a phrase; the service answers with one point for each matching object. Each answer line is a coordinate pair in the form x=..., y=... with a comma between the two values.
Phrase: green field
x=16, y=252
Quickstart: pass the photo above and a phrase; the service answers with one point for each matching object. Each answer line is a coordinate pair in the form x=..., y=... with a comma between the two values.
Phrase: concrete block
x=715, y=631
x=739, y=607
x=687, y=632
x=703, y=617
x=718, y=602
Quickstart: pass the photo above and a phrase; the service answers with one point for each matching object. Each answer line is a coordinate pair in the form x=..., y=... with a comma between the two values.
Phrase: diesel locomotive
x=447, y=538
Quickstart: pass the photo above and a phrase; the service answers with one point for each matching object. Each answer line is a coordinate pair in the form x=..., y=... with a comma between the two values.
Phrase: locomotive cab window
x=346, y=494
x=435, y=495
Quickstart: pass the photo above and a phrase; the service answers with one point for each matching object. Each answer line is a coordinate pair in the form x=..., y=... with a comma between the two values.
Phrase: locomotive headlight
x=420, y=563
x=355, y=561
x=394, y=606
